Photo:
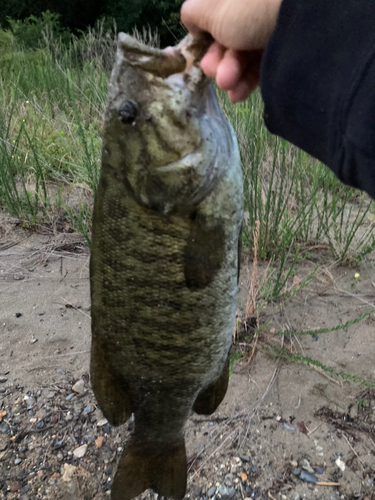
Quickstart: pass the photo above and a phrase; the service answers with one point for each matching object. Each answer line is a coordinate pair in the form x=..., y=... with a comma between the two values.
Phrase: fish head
x=165, y=135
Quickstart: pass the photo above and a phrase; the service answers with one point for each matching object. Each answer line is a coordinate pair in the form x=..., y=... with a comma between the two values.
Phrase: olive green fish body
x=164, y=263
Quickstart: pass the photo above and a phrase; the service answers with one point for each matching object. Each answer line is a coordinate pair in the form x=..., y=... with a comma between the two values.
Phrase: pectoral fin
x=209, y=398
x=111, y=391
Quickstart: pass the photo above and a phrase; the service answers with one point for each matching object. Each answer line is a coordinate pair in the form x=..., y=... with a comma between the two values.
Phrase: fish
x=164, y=258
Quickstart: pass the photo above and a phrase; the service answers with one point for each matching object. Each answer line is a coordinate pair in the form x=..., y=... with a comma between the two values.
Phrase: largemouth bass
x=164, y=260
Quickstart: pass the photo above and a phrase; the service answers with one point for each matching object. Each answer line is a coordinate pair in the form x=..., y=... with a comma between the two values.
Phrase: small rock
x=2, y=390
x=5, y=456
x=340, y=464
x=41, y=314
x=71, y=396
x=197, y=491
x=245, y=458
x=211, y=492
x=88, y=409
x=231, y=492
x=228, y=480
x=81, y=451
x=79, y=387
x=306, y=465
x=40, y=474
x=50, y=395
x=243, y=476
x=59, y=455
x=99, y=442
x=40, y=424
x=32, y=341
x=18, y=276
x=289, y=427
x=223, y=491
x=3, y=379
x=102, y=422
x=68, y=472
x=4, y=428
x=309, y=478
x=297, y=471
x=24, y=489
x=39, y=393
x=18, y=315
x=60, y=372
x=69, y=416
x=55, y=475
x=3, y=443
x=318, y=470
x=14, y=487
x=17, y=461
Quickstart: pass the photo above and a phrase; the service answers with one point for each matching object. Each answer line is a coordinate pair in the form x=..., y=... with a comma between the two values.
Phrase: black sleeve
x=318, y=84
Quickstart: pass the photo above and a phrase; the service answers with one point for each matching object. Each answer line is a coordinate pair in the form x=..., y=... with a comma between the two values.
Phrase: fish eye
x=128, y=112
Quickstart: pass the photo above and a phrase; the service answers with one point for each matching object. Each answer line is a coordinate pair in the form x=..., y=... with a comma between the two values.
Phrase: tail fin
x=140, y=468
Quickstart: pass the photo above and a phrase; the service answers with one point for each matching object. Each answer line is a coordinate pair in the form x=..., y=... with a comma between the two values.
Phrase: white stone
x=79, y=387
x=81, y=451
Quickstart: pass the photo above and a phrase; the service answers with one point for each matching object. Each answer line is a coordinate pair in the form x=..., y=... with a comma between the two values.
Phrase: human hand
x=241, y=30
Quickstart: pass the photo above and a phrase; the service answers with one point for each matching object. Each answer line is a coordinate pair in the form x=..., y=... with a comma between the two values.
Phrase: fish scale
x=164, y=259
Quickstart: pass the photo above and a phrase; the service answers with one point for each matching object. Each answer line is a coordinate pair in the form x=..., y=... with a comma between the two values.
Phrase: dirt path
x=280, y=425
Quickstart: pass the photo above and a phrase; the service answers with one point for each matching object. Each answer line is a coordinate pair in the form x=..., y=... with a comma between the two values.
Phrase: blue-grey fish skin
x=164, y=263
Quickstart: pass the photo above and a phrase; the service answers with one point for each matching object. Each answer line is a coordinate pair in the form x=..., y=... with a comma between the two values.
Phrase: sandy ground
x=279, y=422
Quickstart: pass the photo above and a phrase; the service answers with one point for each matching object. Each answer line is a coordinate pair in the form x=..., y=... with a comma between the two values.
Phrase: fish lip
x=170, y=61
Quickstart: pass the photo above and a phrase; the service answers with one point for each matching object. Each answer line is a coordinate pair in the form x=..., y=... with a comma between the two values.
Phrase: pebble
x=32, y=341
x=14, y=487
x=319, y=470
x=223, y=491
x=3, y=444
x=18, y=276
x=17, y=461
x=59, y=455
x=228, y=480
x=18, y=315
x=306, y=465
x=81, y=451
x=340, y=464
x=102, y=422
x=79, y=387
x=231, y=492
x=24, y=489
x=4, y=428
x=297, y=472
x=289, y=427
x=60, y=372
x=211, y=492
x=40, y=424
x=71, y=396
x=88, y=409
x=309, y=478
x=2, y=390
x=50, y=395
x=3, y=379
x=39, y=393
x=245, y=458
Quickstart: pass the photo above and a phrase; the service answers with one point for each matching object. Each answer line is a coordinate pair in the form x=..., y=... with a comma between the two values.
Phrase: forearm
x=318, y=84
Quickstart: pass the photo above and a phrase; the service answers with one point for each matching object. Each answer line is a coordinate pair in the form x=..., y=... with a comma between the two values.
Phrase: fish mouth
x=170, y=61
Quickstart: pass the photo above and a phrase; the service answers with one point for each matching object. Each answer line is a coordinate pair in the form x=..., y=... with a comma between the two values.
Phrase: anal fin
x=141, y=467
x=111, y=390
x=209, y=398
